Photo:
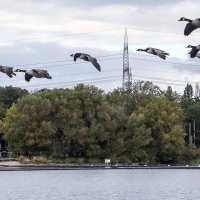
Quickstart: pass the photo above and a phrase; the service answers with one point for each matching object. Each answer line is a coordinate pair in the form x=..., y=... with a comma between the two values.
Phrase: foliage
x=141, y=124
x=159, y=126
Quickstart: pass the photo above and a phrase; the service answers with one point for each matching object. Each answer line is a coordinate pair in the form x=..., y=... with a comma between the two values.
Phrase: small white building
x=107, y=162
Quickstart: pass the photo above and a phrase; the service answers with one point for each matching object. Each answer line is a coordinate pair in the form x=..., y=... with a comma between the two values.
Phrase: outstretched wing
x=40, y=70
x=42, y=73
x=7, y=69
x=151, y=50
x=9, y=74
x=189, y=28
x=159, y=50
x=28, y=77
x=96, y=64
x=193, y=52
x=161, y=55
x=76, y=55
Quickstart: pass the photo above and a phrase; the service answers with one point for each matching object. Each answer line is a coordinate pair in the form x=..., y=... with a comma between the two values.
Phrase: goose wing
x=96, y=64
x=193, y=52
x=159, y=50
x=189, y=28
x=151, y=50
x=7, y=69
x=77, y=55
x=162, y=55
x=198, y=55
x=40, y=71
x=28, y=77
x=10, y=75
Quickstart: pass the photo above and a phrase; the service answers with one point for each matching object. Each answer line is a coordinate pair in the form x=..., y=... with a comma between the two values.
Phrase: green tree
x=187, y=98
x=164, y=118
x=172, y=95
x=26, y=125
x=138, y=138
x=10, y=95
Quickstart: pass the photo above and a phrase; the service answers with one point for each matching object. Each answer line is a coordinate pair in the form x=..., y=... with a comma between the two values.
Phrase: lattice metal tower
x=127, y=76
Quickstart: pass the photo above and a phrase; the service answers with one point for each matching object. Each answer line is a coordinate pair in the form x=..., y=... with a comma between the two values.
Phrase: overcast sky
x=42, y=34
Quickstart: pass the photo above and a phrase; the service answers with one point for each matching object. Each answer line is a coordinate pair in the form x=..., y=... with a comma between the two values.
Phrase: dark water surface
x=124, y=184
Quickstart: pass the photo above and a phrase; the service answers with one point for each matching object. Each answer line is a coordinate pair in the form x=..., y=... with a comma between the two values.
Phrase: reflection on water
x=141, y=184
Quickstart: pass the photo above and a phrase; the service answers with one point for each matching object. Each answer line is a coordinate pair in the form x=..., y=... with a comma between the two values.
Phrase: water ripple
x=125, y=184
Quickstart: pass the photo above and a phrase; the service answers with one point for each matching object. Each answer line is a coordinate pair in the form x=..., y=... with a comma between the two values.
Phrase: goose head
x=72, y=55
x=139, y=50
x=190, y=46
x=182, y=19
x=185, y=19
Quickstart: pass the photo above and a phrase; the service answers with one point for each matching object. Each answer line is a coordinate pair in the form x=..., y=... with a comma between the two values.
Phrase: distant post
x=190, y=135
x=194, y=131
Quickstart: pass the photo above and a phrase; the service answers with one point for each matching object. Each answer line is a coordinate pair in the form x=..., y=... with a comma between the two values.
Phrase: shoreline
x=16, y=166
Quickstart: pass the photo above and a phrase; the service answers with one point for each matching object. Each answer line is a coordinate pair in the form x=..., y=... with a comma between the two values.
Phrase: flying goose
x=38, y=73
x=191, y=26
x=87, y=57
x=157, y=52
x=193, y=52
x=7, y=70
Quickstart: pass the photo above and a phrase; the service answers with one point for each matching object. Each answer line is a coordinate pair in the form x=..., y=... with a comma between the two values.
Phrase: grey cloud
x=94, y=3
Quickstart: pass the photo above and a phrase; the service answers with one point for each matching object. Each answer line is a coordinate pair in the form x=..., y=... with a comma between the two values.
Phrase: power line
x=166, y=62
x=115, y=69
x=80, y=81
x=61, y=61
x=108, y=70
x=155, y=31
x=88, y=33
x=103, y=79
x=61, y=35
x=111, y=80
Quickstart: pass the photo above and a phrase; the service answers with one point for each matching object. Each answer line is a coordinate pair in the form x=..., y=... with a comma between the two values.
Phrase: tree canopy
x=141, y=124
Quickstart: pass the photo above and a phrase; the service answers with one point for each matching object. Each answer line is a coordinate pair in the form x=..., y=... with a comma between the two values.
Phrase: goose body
x=194, y=50
x=38, y=73
x=157, y=52
x=7, y=70
x=198, y=55
x=191, y=25
x=88, y=58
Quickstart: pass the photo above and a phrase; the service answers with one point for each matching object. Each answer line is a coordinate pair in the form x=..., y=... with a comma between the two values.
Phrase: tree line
x=138, y=124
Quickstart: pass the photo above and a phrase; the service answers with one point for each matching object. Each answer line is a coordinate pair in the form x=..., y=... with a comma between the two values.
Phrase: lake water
x=123, y=184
